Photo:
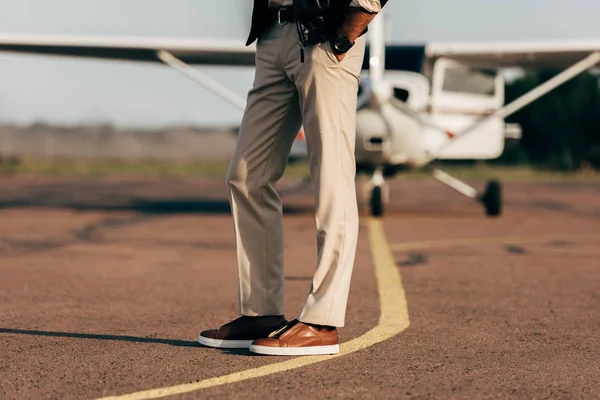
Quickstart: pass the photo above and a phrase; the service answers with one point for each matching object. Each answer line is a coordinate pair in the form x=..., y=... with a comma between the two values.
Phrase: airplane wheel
x=376, y=202
x=492, y=199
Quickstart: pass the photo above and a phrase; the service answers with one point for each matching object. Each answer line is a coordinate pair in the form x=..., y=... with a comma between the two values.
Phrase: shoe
x=239, y=333
x=299, y=339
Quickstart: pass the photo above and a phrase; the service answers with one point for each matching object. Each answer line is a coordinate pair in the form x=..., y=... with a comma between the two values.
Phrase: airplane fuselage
x=423, y=114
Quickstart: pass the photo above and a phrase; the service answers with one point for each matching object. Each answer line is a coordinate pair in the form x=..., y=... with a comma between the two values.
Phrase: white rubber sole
x=224, y=344
x=295, y=351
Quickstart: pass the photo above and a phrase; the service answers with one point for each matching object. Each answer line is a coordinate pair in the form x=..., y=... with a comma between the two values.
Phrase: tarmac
x=106, y=283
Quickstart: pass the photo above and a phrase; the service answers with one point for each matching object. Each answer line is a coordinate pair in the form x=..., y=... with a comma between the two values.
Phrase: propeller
x=404, y=139
x=381, y=92
x=382, y=96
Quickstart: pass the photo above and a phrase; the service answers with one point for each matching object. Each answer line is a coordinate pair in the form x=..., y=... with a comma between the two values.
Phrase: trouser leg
x=328, y=96
x=271, y=121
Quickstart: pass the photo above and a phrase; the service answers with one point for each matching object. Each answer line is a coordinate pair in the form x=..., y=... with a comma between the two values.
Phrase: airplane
x=417, y=102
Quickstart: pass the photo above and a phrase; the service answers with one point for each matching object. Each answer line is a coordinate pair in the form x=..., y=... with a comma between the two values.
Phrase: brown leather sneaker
x=239, y=333
x=299, y=339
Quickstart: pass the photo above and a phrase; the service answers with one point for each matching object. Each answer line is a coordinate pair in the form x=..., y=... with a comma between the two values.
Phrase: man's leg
x=271, y=121
x=268, y=130
x=329, y=90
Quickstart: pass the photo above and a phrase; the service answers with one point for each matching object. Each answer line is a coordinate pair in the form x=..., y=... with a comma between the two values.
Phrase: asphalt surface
x=106, y=283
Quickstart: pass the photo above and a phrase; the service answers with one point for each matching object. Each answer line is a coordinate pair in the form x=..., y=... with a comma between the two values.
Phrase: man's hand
x=354, y=25
x=356, y=22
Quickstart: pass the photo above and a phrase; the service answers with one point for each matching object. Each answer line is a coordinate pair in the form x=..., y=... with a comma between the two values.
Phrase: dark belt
x=283, y=15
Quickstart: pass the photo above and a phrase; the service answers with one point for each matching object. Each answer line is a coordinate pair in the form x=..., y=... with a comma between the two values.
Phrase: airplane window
x=401, y=94
x=469, y=81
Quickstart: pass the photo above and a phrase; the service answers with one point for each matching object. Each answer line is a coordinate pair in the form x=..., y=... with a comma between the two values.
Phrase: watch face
x=342, y=47
x=343, y=44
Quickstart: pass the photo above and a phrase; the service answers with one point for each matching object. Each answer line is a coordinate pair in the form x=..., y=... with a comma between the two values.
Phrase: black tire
x=376, y=202
x=492, y=199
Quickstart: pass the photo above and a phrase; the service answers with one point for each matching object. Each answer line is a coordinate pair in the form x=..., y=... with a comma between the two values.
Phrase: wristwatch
x=341, y=43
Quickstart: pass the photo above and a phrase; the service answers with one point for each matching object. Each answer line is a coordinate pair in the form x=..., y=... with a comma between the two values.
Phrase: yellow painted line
x=425, y=245
x=393, y=320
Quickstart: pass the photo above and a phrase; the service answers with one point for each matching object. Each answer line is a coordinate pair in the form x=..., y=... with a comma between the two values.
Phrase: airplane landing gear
x=492, y=198
x=378, y=194
x=376, y=202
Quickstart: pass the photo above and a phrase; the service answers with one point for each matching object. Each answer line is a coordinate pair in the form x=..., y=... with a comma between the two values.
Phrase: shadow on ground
x=92, y=336
x=174, y=196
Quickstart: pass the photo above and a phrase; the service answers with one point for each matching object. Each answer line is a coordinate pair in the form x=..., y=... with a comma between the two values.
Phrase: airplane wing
x=523, y=54
x=190, y=51
x=401, y=56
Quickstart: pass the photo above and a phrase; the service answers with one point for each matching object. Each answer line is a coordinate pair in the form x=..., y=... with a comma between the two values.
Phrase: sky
x=53, y=90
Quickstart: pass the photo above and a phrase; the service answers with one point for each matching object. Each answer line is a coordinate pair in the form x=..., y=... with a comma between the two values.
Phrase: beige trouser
x=321, y=94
